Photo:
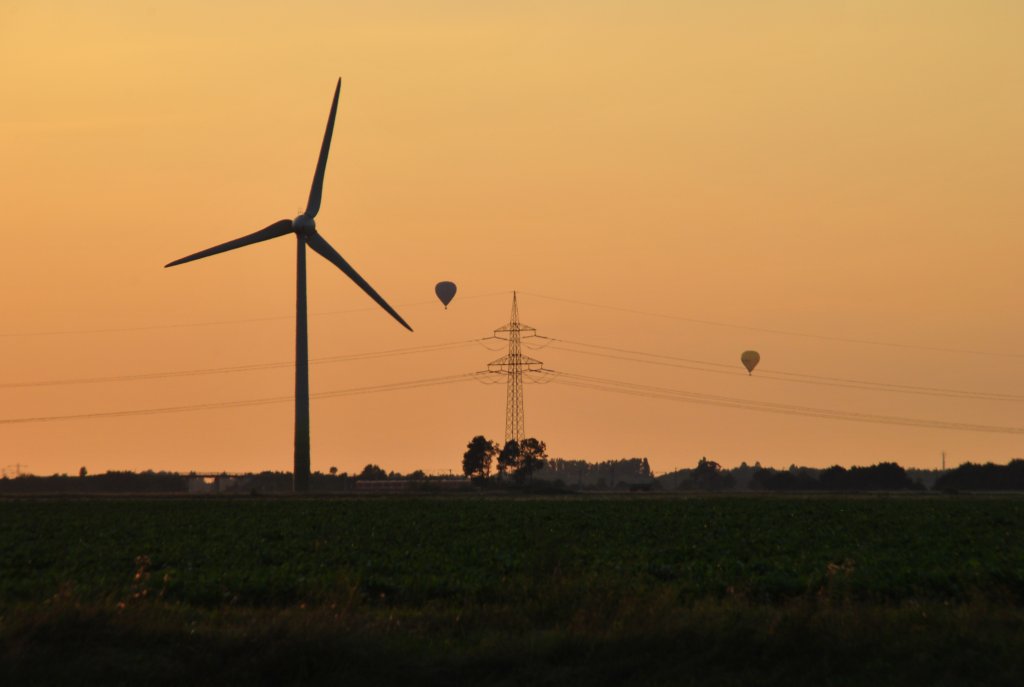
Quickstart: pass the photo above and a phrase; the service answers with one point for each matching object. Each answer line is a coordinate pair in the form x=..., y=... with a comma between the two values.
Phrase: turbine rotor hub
x=303, y=224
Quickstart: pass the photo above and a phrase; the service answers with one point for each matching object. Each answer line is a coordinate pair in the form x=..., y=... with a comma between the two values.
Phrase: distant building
x=217, y=484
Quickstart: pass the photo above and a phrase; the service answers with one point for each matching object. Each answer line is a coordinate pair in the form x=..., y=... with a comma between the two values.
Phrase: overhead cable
x=777, y=375
x=241, y=368
x=781, y=332
x=414, y=384
x=680, y=395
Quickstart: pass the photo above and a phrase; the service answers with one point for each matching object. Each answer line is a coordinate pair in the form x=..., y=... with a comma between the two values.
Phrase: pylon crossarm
x=525, y=331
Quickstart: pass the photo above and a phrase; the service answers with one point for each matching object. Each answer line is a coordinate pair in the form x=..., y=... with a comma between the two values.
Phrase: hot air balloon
x=445, y=291
x=750, y=359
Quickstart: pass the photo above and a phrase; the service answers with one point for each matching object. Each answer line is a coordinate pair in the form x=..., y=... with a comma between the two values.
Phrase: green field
x=462, y=590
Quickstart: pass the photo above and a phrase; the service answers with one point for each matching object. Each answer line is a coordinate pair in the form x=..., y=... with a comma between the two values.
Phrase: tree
x=334, y=471
x=973, y=476
x=532, y=454
x=476, y=461
x=82, y=472
x=708, y=475
x=372, y=472
x=835, y=478
x=782, y=480
x=881, y=477
x=508, y=459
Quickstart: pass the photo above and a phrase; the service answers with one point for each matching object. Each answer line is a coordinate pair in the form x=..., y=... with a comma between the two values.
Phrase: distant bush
x=707, y=476
x=880, y=477
x=767, y=479
x=987, y=477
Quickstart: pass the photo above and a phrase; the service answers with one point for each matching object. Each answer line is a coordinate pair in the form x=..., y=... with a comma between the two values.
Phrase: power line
x=243, y=368
x=569, y=379
x=510, y=364
x=781, y=332
x=211, y=323
x=414, y=384
x=679, y=395
x=782, y=376
x=713, y=323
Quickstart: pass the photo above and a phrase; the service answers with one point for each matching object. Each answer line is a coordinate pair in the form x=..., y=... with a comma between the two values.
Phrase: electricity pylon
x=17, y=469
x=513, y=366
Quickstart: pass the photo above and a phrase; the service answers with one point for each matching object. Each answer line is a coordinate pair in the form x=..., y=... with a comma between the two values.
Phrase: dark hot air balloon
x=750, y=359
x=445, y=291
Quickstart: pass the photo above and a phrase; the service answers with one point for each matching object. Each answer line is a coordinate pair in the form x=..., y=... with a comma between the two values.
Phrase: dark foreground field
x=595, y=591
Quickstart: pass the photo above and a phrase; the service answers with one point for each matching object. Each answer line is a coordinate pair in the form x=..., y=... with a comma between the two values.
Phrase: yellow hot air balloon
x=750, y=359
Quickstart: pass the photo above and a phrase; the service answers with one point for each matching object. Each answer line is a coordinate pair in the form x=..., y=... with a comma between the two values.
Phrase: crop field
x=472, y=590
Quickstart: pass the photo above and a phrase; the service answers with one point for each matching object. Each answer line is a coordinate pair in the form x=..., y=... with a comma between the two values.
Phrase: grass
x=641, y=590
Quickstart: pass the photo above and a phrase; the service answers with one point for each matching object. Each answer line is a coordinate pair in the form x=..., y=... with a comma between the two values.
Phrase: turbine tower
x=513, y=365
x=304, y=228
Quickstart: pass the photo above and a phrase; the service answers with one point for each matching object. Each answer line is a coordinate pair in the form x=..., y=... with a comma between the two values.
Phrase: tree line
x=150, y=482
x=708, y=475
x=527, y=462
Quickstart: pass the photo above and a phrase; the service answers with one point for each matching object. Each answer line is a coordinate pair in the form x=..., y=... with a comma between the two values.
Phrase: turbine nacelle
x=304, y=225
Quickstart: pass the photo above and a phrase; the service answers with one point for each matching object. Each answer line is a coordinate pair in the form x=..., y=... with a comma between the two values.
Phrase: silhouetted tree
x=82, y=472
x=372, y=472
x=799, y=479
x=508, y=459
x=476, y=461
x=532, y=454
x=334, y=471
x=835, y=478
x=581, y=474
x=708, y=475
x=880, y=477
x=972, y=476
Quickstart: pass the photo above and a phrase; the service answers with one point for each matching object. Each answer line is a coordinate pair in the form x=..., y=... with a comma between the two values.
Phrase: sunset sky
x=844, y=169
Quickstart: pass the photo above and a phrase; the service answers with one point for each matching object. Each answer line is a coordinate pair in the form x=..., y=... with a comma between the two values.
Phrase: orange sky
x=846, y=169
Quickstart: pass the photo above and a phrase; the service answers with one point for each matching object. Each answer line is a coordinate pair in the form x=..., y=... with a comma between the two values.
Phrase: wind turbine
x=304, y=228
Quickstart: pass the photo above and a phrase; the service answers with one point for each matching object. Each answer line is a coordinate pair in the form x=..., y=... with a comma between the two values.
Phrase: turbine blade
x=273, y=231
x=313, y=206
x=320, y=245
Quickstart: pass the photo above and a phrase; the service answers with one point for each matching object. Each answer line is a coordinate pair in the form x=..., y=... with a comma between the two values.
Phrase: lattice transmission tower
x=513, y=366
